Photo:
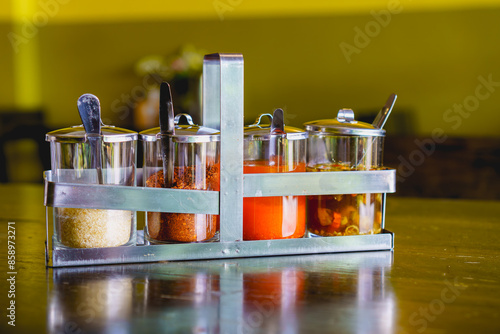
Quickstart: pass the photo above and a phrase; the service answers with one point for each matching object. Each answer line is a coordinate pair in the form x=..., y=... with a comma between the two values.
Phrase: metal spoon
x=278, y=122
x=90, y=113
x=167, y=128
x=276, y=141
x=384, y=113
x=379, y=122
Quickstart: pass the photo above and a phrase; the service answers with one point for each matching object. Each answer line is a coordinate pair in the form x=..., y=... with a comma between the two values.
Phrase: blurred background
x=441, y=57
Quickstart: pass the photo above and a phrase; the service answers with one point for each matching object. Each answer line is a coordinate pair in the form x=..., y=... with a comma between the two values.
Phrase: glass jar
x=284, y=151
x=344, y=144
x=71, y=162
x=194, y=157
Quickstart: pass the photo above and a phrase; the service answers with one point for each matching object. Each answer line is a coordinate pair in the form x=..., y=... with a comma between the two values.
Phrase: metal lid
x=184, y=133
x=344, y=124
x=77, y=134
x=262, y=131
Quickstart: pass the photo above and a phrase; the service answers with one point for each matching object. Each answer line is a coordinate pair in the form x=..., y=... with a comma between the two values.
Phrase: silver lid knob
x=345, y=116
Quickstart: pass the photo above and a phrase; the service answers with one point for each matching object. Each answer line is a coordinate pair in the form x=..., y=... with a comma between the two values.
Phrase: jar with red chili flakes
x=194, y=159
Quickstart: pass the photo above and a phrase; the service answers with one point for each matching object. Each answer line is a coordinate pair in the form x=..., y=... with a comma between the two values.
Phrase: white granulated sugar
x=90, y=228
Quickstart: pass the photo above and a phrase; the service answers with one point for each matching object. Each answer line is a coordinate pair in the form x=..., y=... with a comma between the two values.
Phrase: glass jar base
x=59, y=245
x=315, y=234
x=150, y=241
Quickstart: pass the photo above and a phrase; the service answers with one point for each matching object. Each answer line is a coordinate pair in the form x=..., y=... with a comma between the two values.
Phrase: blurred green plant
x=182, y=70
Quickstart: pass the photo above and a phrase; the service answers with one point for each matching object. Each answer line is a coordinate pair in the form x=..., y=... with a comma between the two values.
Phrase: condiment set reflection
x=265, y=294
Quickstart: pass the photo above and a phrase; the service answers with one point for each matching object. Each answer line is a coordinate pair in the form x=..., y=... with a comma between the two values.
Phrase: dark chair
x=16, y=125
x=456, y=168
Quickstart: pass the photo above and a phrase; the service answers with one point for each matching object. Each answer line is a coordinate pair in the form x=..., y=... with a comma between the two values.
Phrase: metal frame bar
x=231, y=147
x=93, y=196
x=219, y=250
x=222, y=108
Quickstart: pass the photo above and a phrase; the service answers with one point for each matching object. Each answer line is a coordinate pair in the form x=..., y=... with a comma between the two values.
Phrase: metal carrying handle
x=223, y=110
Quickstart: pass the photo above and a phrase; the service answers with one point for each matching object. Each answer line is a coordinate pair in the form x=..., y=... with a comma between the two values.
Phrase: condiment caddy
x=222, y=111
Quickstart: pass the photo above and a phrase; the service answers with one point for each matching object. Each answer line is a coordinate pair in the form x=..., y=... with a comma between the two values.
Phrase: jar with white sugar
x=73, y=160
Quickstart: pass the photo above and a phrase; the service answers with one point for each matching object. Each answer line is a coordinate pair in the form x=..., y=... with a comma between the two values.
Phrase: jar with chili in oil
x=344, y=144
x=194, y=158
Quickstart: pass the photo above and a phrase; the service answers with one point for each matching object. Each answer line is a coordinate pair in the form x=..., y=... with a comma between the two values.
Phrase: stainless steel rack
x=222, y=108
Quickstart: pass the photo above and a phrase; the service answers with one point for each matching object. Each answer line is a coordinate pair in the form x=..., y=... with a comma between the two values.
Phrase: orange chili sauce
x=277, y=217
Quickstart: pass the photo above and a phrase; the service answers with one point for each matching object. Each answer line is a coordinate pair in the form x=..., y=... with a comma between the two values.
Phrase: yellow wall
x=5, y=11
x=431, y=54
x=71, y=11
x=6, y=71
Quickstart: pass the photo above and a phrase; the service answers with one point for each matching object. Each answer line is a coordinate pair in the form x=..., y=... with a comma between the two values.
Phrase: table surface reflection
x=443, y=277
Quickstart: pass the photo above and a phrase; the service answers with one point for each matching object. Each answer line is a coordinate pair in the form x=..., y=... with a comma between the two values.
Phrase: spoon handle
x=90, y=113
x=95, y=143
x=384, y=113
x=167, y=129
x=277, y=141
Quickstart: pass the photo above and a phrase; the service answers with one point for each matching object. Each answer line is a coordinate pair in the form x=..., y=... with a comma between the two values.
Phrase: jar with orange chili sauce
x=274, y=148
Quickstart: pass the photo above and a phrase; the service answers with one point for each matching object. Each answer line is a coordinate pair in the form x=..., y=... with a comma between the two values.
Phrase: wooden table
x=443, y=277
